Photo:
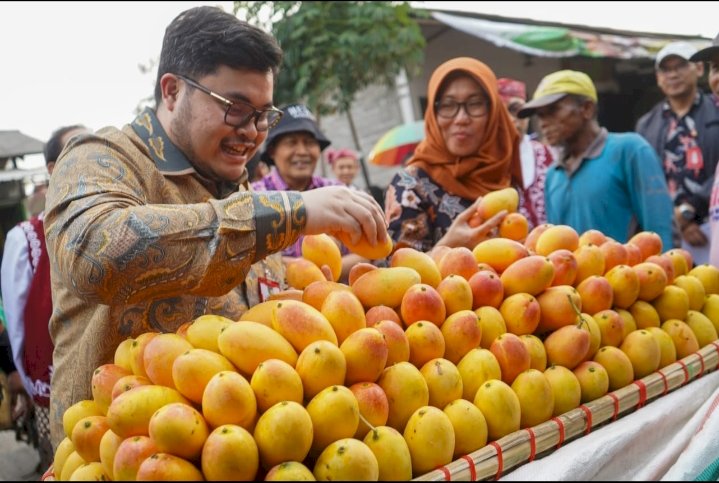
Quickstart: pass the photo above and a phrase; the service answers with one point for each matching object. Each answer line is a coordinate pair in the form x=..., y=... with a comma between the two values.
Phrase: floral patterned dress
x=418, y=210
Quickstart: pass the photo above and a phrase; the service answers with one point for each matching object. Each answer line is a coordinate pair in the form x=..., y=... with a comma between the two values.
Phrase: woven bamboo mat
x=525, y=445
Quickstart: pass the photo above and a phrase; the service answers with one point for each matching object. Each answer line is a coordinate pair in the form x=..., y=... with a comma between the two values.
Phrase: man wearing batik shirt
x=153, y=225
x=684, y=131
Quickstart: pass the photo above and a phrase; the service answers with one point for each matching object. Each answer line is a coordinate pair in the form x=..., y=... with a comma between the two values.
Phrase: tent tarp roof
x=561, y=40
x=15, y=143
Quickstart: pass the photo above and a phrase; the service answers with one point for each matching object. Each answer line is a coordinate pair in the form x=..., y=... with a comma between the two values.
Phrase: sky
x=67, y=63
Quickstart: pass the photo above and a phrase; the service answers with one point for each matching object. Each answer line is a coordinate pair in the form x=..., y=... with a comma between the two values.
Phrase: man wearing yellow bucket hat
x=612, y=182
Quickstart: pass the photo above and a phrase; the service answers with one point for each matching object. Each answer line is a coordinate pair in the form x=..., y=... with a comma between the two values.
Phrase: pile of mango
x=403, y=369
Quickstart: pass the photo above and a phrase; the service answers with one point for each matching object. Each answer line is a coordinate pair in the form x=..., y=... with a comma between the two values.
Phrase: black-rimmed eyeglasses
x=473, y=108
x=239, y=113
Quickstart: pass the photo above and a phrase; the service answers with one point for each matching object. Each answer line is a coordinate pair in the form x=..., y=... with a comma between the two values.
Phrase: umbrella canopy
x=397, y=144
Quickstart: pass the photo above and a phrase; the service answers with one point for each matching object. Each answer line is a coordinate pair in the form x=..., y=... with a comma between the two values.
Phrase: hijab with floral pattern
x=495, y=165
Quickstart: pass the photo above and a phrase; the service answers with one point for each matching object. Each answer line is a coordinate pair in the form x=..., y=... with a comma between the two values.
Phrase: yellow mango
x=559, y=237
x=565, y=387
x=476, y=367
x=443, y=381
x=301, y=324
x=385, y=286
x=63, y=451
x=643, y=351
x=167, y=467
x=462, y=332
x=668, y=353
x=322, y=250
x=229, y=399
x=230, y=453
x=246, y=344
x=274, y=381
x=500, y=406
x=72, y=463
x=204, y=330
x=366, y=354
x=315, y=294
x=320, y=365
x=301, y=272
x=390, y=448
x=283, y=433
x=456, y=293
x=470, y=427
x=192, y=371
x=616, y=362
x=179, y=429
x=702, y=327
x=419, y=261
x=536, y=399
x=335, y=415
x=711, y=309
x=129, y=413
x=261, y=313
x=344, y=312
x=694, y=289
x=496, y=201
x=625, y=285
x=93, y=471
x=532, y=275
x=492, y=323
x=78, y=411
x=159, y=356
x=708, y=275
x=109, y=444
x=430, y=438
x=364, y=249
x=289, y=471
x=685, y=341
x=499, y=253
x=406, y=391
x=672, y=303
x=347, y=459
x=593, y=379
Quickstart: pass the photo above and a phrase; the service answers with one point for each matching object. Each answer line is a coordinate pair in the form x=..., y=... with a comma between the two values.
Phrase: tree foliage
x=332, y=50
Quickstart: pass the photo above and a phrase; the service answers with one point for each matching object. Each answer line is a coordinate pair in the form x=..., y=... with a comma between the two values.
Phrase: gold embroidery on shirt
x=158, y=146
x=145, y=121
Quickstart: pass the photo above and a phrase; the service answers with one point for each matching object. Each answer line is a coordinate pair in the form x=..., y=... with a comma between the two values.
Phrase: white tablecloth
x=675, y=437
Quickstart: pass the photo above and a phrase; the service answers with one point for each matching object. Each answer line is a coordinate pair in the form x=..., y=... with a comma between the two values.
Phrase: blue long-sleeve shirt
x=623, y=182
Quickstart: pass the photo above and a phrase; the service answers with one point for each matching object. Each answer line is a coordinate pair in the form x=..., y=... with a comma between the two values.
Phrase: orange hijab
x=494, y=165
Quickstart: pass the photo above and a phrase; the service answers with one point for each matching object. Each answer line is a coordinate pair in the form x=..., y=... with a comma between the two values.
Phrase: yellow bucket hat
x=555, y=86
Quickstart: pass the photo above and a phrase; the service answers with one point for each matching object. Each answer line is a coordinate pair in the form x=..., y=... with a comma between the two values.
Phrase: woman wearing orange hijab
x=470, y=148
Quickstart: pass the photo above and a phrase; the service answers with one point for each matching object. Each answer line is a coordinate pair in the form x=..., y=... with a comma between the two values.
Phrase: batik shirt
x=418, y=210
x=139, y=241
x=273, y=181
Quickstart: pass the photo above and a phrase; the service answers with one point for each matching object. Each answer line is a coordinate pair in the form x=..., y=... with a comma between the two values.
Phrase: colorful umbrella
x=394, y=147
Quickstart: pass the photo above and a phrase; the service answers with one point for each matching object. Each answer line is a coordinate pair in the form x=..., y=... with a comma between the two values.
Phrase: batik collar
x=168, y=158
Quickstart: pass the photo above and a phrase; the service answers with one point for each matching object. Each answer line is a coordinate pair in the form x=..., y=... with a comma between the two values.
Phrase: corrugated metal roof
x=15, y=143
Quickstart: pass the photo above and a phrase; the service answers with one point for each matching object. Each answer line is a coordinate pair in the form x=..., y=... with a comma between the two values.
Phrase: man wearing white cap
x=710, y=55
x=684, y=131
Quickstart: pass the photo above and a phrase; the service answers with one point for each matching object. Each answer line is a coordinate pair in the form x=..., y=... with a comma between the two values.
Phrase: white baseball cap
x=681, y=49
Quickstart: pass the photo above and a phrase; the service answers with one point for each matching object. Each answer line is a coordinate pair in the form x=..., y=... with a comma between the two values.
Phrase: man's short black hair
x=54, y=146
x=200, y=40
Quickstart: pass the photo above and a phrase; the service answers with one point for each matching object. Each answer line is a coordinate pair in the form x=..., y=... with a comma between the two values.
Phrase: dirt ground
x=18, y=461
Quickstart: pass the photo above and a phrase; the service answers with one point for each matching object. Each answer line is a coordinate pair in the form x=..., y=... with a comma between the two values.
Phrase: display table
x=663, y=426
